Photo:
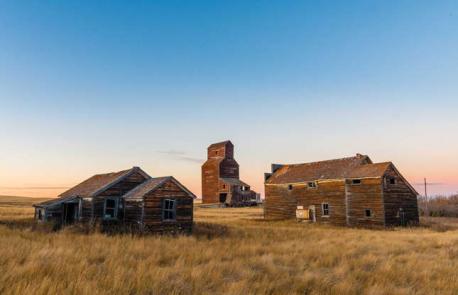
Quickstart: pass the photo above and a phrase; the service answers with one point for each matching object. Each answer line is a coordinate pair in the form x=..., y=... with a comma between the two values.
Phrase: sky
x=89, y=87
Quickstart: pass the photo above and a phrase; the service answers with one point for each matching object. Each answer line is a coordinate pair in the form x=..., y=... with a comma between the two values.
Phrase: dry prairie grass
x=232, y=251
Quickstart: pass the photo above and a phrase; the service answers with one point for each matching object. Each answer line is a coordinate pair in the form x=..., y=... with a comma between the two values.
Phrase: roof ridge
x=325, y=161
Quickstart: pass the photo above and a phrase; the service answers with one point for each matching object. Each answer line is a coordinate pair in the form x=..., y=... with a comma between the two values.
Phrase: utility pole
x=426, y=198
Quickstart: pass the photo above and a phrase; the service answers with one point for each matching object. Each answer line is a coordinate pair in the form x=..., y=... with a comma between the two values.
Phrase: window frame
x=370, y=213
x=115, y=208
x=356, y=181
x=172, y=210
x=391, y=180
x=323, y=210
x=312, y=185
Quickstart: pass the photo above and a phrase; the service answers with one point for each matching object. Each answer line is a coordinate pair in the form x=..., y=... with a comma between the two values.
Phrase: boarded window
x=169, y=210
x=368, y=212
x=312, y=184
x=325, y=209
x=110, y=209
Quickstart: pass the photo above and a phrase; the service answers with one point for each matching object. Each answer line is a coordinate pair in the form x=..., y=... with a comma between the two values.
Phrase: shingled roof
x=331, y=169
x=152, y=184
x=95, y=184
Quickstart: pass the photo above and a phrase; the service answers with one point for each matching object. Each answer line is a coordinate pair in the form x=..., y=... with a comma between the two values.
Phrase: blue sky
x=94, y=86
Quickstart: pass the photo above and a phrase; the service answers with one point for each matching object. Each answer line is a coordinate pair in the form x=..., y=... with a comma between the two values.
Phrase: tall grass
x=232, y=251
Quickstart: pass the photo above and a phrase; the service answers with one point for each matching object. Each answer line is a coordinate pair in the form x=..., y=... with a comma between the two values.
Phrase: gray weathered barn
x=128, y=198
x=350, y=191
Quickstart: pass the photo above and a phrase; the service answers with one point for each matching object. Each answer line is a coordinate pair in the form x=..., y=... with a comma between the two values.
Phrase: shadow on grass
x=209, y=231
x=20, y=224
x=200, y=230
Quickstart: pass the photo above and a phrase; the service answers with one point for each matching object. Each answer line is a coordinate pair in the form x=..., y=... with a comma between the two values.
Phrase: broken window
x=368, y=212
x=169, y=210
x=356, y=182
x=110, y=209
x=312, y=184
x=325, y=209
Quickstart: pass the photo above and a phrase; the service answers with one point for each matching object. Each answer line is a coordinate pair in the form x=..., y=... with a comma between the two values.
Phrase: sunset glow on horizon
x=101, y=87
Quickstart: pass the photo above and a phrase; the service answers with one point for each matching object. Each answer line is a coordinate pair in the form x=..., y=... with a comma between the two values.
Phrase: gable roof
x=370, y=170
x=234, y=181
x=331, y=169
x=220, y=144
x=151, y=185
x=54, y=202
x=100, y=182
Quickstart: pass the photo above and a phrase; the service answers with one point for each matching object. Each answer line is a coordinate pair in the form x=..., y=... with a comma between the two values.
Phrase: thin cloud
x=172, y=152
x=181, y=156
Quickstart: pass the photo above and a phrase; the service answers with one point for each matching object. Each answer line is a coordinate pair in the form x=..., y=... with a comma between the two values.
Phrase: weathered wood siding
x=279, y=203
x=331, y=192
x=397, y=196
x=229, y=168
x=210, y=179
x=367, y=195
x=152, y=214
x=117, y=190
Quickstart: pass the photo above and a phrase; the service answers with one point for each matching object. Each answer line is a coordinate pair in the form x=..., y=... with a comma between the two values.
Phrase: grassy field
x=232, y=251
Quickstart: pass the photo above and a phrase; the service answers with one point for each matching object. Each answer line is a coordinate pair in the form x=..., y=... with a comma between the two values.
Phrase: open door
x=312, y=213
x=70, y=213
x=222, y=198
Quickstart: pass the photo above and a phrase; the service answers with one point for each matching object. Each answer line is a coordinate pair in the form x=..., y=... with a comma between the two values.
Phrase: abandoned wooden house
x=129, y=198
x=351, y=191
x=220, y=178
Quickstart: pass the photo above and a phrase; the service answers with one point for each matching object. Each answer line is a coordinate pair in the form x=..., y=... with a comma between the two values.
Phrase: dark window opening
x=368, y=212
x=356, y=182
x=312, y=184
x=110, y=210
x=392, y=180
x=169, y=210
x=290, y=187
x=325, y=209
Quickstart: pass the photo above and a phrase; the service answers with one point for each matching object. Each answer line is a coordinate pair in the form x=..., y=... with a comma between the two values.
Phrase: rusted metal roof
x=97, y=183
x=331, y=169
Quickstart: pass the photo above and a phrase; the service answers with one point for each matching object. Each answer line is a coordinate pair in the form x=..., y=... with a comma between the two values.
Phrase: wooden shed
x=101, y=199
x=160, y=205
x=220, y=178
x=350, y=191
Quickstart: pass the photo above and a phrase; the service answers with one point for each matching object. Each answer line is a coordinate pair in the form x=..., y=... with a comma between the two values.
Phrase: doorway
x=312, y=213
x=70, y=213
x=222, y=198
